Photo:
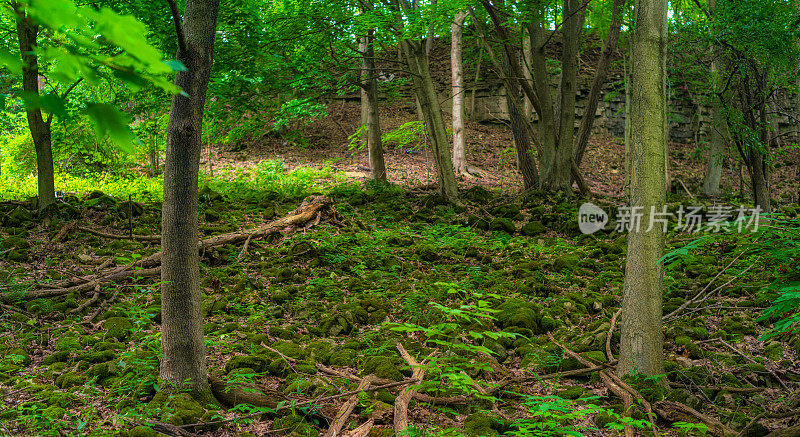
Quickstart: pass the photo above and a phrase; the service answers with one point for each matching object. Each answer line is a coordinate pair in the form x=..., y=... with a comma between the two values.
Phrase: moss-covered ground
x=474, y=288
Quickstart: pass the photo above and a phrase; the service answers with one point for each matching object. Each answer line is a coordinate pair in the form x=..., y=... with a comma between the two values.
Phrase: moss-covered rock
x=294, y=425
x=70, y=379
x=482, y=424
x=571, y=392
x=54, y=412
x=97, y=356
x=533, y=228
x=142, y=431
x=382, y=367
x=118, y=327
x=520, y=313
x=503, y=225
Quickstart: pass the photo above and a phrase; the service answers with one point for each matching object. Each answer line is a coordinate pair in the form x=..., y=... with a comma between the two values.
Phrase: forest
x=400, y=218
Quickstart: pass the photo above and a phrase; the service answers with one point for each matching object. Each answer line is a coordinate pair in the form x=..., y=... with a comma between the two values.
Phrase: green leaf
x=108, y=120
x=54, y=104
x=176, y=65
x=10, y=61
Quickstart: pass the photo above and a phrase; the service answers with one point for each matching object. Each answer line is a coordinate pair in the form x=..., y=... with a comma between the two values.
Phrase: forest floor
x=505, y=306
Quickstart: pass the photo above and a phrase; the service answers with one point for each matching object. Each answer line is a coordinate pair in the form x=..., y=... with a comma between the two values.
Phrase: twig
x=740, y=353
x=243, y=253
x=89, y=302
x=610, y=332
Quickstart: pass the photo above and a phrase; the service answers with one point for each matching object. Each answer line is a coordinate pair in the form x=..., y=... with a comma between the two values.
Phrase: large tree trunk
x=27, y=33
x=373, y=121
x=182, y=345
x=559, y=178
x=641, y=349
x=431, y=110
x=456, y=67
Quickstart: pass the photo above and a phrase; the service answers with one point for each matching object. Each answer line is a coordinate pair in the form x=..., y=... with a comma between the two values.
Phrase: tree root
x=401, y=402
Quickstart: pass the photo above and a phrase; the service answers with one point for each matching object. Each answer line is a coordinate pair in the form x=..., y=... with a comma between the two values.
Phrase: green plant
x=412, y=135
x=781, y=243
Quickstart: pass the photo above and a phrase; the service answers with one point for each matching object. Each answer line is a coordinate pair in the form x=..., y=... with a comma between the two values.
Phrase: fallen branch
x=740, y=353
x=677, y=412
x=307, y=211
x=401, y=402
x=347, y=409
x=90, y=302
x=609, y=354
x=363, y=429
x=120, y=237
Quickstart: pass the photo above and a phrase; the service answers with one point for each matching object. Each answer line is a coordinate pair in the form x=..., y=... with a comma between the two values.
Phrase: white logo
x=591, y=218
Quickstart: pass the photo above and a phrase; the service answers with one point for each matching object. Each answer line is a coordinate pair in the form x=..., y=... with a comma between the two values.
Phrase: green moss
x=54, y=412
x=142, y=431
x=382, y=367
x=503, y=225
x=482, y=424
x=181, y=409
x=97, y=356
x=294, y=425
x=256, y=362
x=19, y=357
x=118, y=327
x=533, y=228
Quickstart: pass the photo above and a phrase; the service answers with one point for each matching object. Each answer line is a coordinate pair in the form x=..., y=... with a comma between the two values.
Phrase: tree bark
x=599, y=80
x=182, y=345
x=362, y=48
x=716, y=146
x=428, y=99
x=456, y=67
x=559, y=179
x=522, y=140
x=27, y=32
x=373, y=121
x=641, y=349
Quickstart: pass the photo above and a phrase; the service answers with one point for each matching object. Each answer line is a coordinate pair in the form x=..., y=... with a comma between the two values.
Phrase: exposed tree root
x=677, y=412
x=121, y=237
x=347, y=408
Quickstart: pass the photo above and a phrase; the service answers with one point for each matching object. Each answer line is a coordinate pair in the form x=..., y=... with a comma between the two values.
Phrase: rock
x=211, y=215
x=482, y=425
x=182, y=410
x=14, y=243
x=54, y=412
x=256, y=362
x=478, y=194
x=97, y=356
x=382, y=367
x=504, y=225
x=118, y=327
x=533, y=228
x=142, y=431
x=21, y=215
x=571, y=392
x=19, y=356
x=18, y=256
x=56, y=357
x=135, y=208
x=295, y=426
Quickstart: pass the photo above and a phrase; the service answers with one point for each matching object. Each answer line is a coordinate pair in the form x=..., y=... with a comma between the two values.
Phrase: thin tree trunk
x=522, y=140
x=456, y=67
x=627, y=134
x=716, y=150
x=27, y=32
x=373, y=121
x=431, y=111
x=599, y=80
x=182, y=345
x=541, y=84
x=559, y=178
x=641, y=349
x=475, y=85
x=362, y=48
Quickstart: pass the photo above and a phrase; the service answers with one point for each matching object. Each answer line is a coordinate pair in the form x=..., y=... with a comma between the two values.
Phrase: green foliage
x=554, y=416
x=411, y=135
x=781, y=243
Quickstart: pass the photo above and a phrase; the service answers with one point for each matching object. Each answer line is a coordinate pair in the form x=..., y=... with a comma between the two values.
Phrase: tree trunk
x=362, y=48
x=641, y=349
x=27, y=33
x=373, y=121
x=627, y=134
x=559, y=179
x=432, y=116
x=456, y=66
x=541, y=84
x=182, y=344
x=522, y=140
x=716, y=149
x=599, y=80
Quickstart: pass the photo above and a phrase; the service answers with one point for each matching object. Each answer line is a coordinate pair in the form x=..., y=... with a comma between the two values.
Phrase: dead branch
x=90, y=302
x=401, y=402
x=120, y=237
x=677, y=412
x=609, y=354
x=346, y=409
